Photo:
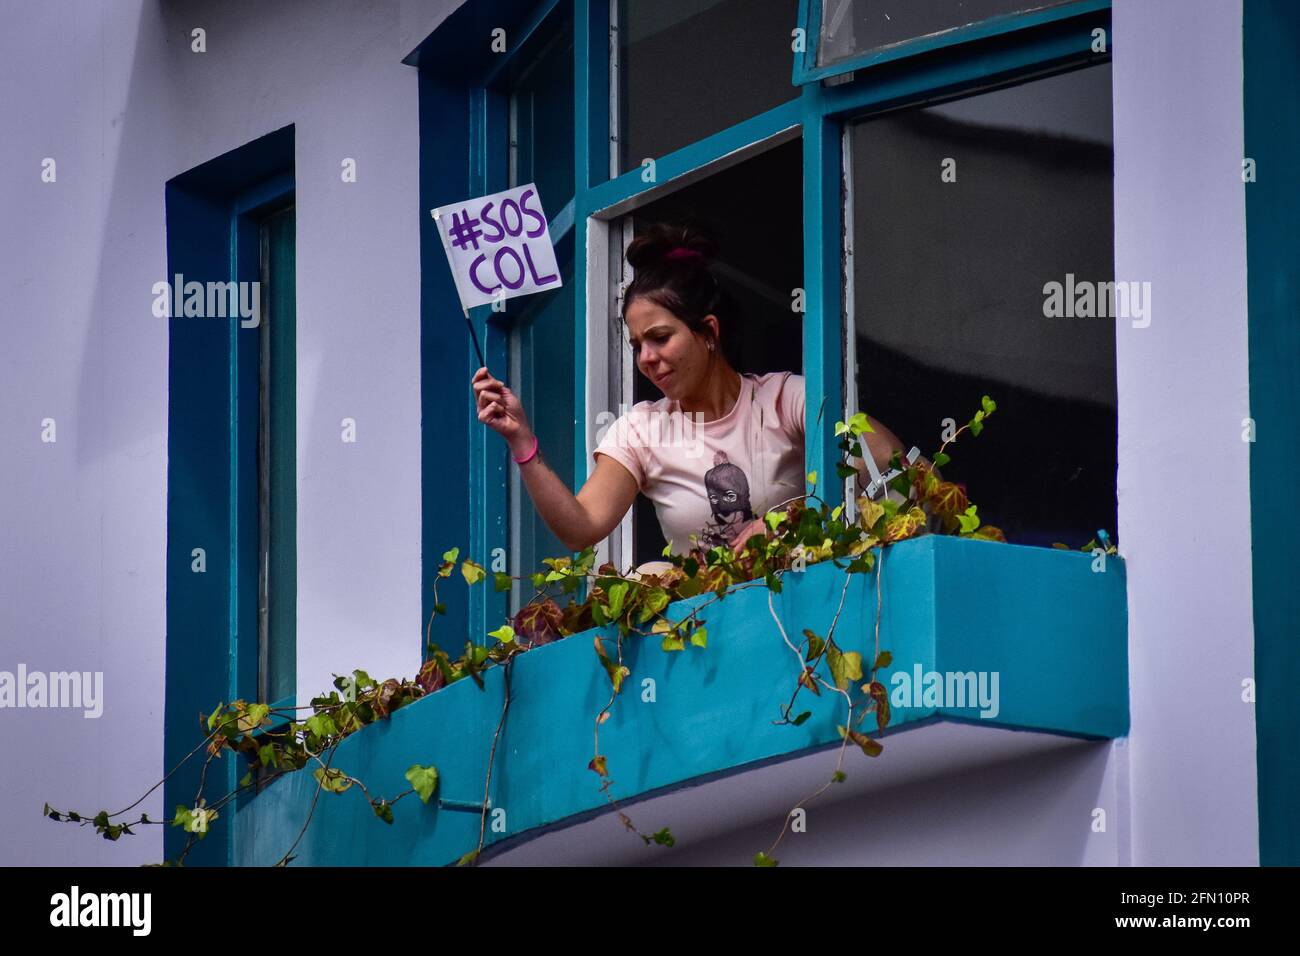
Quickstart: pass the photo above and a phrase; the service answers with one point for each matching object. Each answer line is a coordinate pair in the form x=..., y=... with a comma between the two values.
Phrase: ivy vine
x=804, y=530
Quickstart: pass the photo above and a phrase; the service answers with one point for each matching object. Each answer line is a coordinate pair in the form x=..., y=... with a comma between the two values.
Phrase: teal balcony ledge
x=1052, y=630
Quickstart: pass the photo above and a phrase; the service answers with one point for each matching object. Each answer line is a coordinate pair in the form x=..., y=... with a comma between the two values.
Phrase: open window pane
x=759, y=267
x=962, y=214
x=851, y=27
x=690, y=68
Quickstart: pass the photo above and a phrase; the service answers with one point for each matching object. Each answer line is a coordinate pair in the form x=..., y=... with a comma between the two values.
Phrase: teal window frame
x=464, y=99
x=1016, y=46
x=213, y=217
x=457, y=96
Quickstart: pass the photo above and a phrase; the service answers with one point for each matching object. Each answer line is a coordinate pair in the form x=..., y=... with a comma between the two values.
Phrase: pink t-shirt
x=709, y=478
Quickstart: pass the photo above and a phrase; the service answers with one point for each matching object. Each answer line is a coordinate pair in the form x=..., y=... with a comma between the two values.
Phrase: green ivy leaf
x=664, y=837
x=423, y=779
x=941, y=459
x=616, y=672
x=990, y=406
x=384, y=810
x=333, y=780
x=468, y=858
x=802, y=717
x=700, y=637
x=970, y=520
x=674, y=642
x=502, y=581
x=812, y=478
x=976, y=426
x=845, y=666
x=838, y=777
x=884, y=659
x=448, y=562
x=877, y=692
x=617, y=594
x=654, y=601
x=472, y=571
x=871, y=748
x=322, y=725
x=762, y=859
x=774, y=518
x=505, y=634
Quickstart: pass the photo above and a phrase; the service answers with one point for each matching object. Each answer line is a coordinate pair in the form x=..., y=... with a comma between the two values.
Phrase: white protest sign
x=498, y=246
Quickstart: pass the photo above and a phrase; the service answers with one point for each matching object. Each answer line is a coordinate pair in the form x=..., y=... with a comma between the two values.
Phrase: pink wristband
x=531, y=454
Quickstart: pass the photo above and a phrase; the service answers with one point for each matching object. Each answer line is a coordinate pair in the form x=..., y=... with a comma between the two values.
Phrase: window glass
x=689, y=68
x=277, y=494
x=963, y=214
x=542, y=373
x=851, y=27
x=541, y=104
x=541, y=338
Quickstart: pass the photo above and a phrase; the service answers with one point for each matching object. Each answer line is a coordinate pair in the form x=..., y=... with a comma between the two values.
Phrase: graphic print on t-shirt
x=727, y=487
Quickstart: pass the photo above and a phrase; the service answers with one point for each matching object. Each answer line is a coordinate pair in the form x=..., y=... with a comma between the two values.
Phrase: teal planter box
x=1036, y=626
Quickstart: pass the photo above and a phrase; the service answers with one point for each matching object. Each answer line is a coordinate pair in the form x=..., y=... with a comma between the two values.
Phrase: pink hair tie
x=684, y=252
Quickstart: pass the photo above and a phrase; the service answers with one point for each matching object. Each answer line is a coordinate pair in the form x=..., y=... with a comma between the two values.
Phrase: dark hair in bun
x=672, y=270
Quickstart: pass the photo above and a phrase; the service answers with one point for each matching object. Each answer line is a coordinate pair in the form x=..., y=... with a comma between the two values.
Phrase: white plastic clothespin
x=880, y=483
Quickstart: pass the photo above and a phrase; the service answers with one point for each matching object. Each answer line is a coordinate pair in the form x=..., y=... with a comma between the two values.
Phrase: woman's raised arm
x=577, y=520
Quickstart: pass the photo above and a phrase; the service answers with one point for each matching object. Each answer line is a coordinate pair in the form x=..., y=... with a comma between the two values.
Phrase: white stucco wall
x=115, y=95
x=1184, y=492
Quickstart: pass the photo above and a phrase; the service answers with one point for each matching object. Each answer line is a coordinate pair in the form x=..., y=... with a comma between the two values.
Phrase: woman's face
x=667, y=352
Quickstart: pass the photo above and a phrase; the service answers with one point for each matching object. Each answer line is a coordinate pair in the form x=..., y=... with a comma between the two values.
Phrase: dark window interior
x=948, y=281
